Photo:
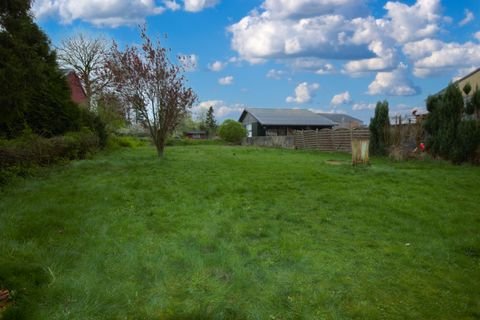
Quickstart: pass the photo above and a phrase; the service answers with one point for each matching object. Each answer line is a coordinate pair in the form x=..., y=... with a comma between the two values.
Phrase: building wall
x=474, y=81
x=76, y=91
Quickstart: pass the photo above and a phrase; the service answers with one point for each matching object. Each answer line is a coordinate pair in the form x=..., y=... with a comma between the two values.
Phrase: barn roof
x=287, y=117
x=340, y=117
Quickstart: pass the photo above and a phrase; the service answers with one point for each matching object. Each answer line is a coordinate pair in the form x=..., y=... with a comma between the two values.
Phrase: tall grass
x=218, y=232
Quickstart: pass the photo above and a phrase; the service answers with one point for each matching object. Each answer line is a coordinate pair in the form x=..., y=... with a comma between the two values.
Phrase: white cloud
x=111, y=13
x=448, y=56
x=394, y=83
x=275, y=74
x=409, y=23
x=341, y=98
x=469, y=17
x=422, y=48
x=198, y=5
x=217, y=66
x=305, y=8
x=363, y=106
x=226, y=81
x=386, y=59
x=221, y=109
x=172, y=5
x=189, y=61
x=259, y=37
x=313, y=31
x=477, y=35
x=304, y=93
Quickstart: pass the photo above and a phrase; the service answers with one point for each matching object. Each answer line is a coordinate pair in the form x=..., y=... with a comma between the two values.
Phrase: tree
x=473, y=106
x=153, y=86
x=232, y=131
x=87, y=56
x=210, y=121
x=450, y=135
x=379, y=129
x=33, y=91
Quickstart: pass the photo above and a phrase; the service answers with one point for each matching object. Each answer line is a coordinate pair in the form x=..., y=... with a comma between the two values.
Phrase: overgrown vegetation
x=450, y=134
x=21, y=156
x=380, y=129
x=232, y=131
x=242, y=233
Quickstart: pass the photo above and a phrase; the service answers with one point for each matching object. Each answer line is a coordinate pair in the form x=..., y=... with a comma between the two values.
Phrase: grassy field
x=218, y=232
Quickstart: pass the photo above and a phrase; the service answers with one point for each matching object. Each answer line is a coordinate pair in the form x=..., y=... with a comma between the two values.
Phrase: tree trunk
x=160, y=145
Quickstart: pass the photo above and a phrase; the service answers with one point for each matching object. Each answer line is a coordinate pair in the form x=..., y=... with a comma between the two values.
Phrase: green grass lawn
x=217, y=232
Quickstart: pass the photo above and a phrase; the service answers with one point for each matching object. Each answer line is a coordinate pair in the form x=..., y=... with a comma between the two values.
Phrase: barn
x=281, y=122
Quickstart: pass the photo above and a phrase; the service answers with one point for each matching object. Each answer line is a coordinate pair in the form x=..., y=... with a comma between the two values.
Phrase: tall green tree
x=380, y=129
x=34, y=92
x=210, y=121
x=450, y=135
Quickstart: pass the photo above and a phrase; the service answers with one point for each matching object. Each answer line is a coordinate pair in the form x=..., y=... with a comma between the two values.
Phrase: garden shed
x=281, y=122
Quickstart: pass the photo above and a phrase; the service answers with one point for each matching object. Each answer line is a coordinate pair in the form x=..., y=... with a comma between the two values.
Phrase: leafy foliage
x=379, y=129
x=19, y=156
x=232, y=131
x=153, y=86
x=449, y=135
x=34, y=92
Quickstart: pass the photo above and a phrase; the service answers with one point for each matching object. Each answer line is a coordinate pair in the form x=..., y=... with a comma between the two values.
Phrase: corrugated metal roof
x=288, y=117
x=339, y=117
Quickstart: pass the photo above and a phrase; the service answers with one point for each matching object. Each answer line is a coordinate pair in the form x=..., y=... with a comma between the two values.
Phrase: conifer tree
x=34, y=92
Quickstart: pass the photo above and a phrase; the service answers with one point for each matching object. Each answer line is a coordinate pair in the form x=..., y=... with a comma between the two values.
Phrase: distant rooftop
x=287, y=117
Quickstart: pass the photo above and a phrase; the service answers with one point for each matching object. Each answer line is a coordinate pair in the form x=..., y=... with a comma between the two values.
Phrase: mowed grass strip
x=218, y=232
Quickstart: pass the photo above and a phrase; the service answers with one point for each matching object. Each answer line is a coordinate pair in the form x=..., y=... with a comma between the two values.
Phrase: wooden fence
x=329, y=140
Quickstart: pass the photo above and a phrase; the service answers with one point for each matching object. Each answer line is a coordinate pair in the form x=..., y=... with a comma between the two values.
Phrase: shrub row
x=19, y=156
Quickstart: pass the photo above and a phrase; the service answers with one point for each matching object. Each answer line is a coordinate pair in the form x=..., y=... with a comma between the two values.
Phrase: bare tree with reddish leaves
x=153, y=86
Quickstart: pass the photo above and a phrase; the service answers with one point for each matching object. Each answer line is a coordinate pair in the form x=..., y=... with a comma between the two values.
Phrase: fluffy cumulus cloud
x=217, y=66
x=304, y=93
x=410, y=23
x=469, y=17
x=447, y=56
x=308, y=34
x=476, y=35
x=226, y=81
x=221, y=109
x=341, y=98
x=333, y=29
x=394, y=83
x=111, y=13
x=198, y=5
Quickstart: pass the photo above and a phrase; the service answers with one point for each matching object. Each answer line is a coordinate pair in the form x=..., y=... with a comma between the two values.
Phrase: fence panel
x=329, y=140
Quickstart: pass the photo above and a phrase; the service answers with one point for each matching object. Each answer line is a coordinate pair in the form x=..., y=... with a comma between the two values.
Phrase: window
x=249, y=130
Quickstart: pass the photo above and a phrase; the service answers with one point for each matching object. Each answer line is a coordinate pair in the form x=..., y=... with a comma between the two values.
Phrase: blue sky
x=325, y=55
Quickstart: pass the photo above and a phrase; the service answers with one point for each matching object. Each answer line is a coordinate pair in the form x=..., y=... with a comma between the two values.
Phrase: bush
x=115, y=142
x=232, y=131
x=19, y=157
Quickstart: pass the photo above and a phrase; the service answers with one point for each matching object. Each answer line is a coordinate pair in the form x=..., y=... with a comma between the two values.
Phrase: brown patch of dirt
x=335, y=162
